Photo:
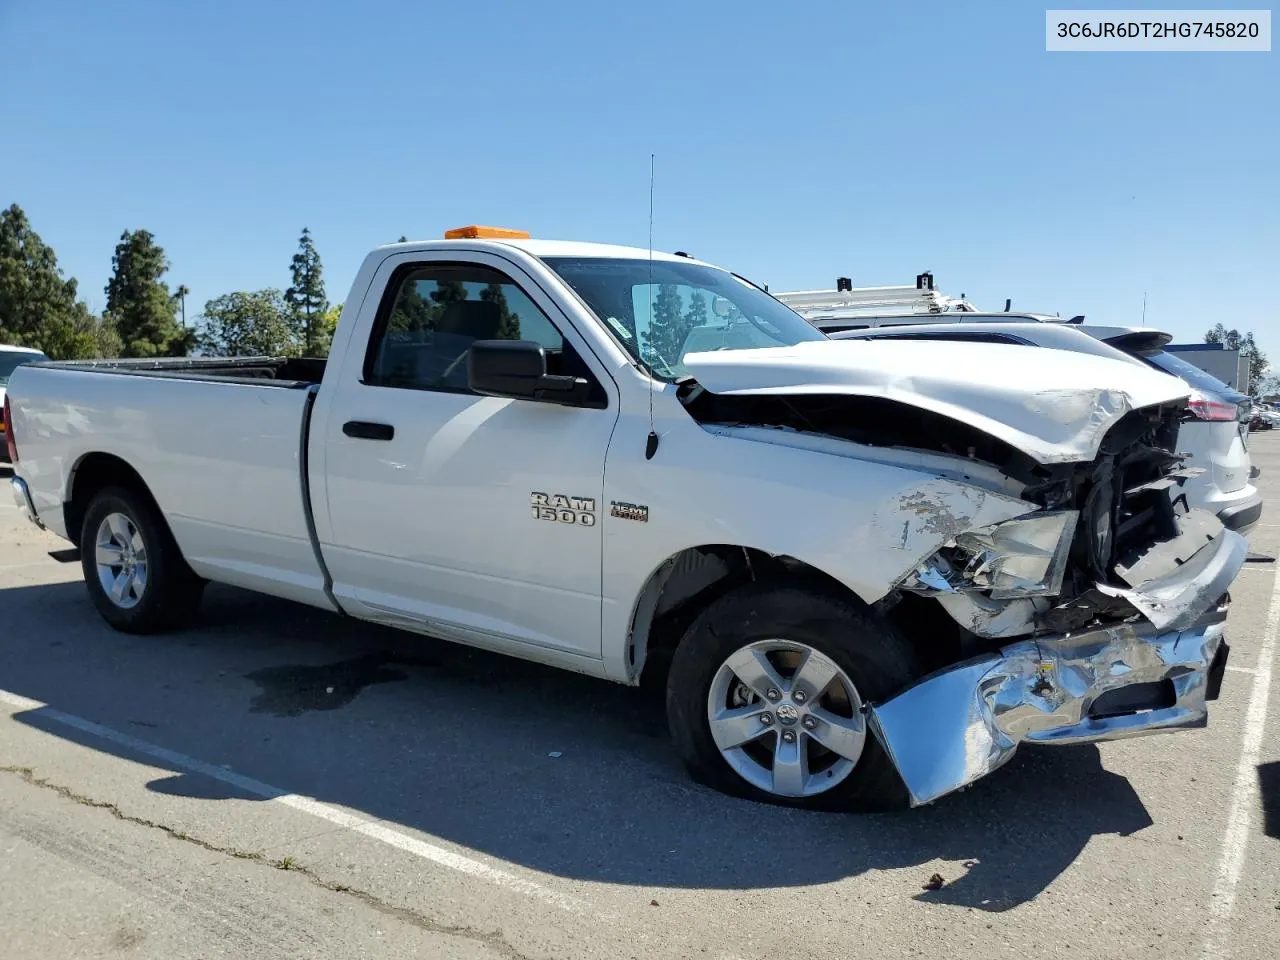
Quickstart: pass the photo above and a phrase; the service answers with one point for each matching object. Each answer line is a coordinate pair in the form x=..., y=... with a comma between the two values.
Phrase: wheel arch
x=691, y=578
x=92, y=473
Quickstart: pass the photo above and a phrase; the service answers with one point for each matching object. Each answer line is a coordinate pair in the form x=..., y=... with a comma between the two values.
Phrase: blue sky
x=794, y=143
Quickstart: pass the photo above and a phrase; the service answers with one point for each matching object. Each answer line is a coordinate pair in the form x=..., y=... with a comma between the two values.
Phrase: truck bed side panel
x=221, y=459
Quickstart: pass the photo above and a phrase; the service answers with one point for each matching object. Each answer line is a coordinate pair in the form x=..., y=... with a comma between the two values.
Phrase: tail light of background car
x=8, y=432
x=1205, y=409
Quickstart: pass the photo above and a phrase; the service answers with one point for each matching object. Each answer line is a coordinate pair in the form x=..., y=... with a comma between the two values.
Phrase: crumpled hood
x=1053, y=405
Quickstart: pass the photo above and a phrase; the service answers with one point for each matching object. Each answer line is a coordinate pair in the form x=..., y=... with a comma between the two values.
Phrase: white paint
x=1054, y=405
x=238, y=517
x=1249, y=670
x=308, y=805
x=1235, y=840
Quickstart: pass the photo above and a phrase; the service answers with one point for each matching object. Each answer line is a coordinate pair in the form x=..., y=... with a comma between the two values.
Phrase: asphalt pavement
x=278, y=782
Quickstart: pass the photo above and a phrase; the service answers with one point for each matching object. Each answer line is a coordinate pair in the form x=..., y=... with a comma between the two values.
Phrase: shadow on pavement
x=458, y=743
x=1269, y=785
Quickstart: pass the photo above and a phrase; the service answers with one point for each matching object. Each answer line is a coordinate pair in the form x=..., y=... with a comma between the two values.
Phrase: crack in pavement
x=494, y=939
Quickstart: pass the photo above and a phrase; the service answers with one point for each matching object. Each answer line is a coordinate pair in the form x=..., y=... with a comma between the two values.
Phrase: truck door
x=475, y=518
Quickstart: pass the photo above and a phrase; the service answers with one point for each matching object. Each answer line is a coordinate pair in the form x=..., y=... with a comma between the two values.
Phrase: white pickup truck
x=870, y=570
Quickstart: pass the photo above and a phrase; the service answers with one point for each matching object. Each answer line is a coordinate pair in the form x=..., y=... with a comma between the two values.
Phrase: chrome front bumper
x=22, y=497
x=1124, y=680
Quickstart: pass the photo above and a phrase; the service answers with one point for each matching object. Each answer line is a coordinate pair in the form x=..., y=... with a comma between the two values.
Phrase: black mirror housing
x=518, y=369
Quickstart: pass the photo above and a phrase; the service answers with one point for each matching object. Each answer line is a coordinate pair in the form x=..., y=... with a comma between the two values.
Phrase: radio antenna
x=651, y=444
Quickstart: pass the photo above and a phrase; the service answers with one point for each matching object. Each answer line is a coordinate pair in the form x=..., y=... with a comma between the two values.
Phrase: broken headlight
x=1022, y=557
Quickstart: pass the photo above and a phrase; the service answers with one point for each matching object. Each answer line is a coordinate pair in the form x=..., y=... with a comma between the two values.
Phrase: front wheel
x=136, y=575
x=766, y=698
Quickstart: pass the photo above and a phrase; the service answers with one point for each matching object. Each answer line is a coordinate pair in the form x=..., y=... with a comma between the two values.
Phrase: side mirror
x=518, y=369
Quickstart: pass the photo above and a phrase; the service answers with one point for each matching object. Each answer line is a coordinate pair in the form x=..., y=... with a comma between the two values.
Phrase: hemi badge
x=628, y=511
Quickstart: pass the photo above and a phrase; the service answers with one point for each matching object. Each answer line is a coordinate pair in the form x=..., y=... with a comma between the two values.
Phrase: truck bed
x=218, y=442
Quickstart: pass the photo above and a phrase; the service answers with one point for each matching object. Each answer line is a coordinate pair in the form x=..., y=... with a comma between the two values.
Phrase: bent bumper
x=22, y=497
x=958, y=726
x=1242, y=517
x=1123, y=680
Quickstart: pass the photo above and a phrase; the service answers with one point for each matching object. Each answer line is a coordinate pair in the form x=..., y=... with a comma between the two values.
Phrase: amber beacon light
x=477, y=232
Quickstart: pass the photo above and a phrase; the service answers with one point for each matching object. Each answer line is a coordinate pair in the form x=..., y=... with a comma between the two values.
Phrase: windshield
x=661, y=311
x=1206, y=382
x=11, y=360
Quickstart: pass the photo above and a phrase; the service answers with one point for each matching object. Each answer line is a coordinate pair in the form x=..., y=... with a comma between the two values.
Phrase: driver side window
x=432, y=314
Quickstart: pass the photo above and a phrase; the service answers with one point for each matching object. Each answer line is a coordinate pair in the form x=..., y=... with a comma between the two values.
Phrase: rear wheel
x=767, y=694
x=136, y=575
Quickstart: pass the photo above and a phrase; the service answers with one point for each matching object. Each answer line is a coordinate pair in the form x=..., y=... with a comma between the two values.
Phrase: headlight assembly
x=1022, y=557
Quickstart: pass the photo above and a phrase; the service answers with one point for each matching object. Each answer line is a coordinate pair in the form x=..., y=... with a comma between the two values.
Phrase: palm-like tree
x=181, y=294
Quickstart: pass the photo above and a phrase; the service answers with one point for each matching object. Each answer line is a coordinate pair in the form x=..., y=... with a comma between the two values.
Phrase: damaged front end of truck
x=1117, y=594
x=1098, y=614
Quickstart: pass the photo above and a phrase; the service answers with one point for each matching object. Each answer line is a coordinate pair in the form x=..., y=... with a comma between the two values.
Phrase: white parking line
x=1235, y=841
x=309, y=805
x=1249, y=670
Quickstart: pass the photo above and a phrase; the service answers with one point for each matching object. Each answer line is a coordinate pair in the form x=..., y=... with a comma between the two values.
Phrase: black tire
x=877, y=660
x=172, y=591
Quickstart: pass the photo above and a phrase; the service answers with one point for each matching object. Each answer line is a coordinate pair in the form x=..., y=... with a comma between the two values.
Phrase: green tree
x=139, y=305
x=667, y=327
x=38, y=307
x=305, y=296
x=328, y=326
x=412, y=311
x=248, y=324
x=447, y=292
x=697, y=314
x=182, y=292
x=82, y=337
x=1235, y=340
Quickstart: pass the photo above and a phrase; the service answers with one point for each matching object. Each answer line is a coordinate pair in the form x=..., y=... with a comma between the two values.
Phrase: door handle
x=365, y=430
